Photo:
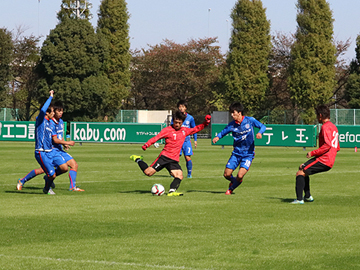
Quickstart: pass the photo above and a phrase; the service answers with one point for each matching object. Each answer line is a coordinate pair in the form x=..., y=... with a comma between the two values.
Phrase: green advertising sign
x=349, y=136
x=275, y=135
x=18, y=131
x=113, y=132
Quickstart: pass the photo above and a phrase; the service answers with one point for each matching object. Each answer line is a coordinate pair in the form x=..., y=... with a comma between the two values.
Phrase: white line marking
x=98, y=262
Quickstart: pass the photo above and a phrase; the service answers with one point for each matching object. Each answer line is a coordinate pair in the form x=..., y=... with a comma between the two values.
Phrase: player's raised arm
x=46, y=105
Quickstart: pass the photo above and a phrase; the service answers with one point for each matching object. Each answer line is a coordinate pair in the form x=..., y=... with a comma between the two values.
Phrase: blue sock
x=72, y=177
x=232, y=179
x=29, y=176
x=189, y=166
x=235, y=184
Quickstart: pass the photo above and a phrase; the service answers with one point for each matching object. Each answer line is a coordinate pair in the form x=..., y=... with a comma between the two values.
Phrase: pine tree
x=245, y=77
x=312, y=69
x=71, y=64
x=353, y=83
x=113, y=25
x=69, y=9
x=6, y=57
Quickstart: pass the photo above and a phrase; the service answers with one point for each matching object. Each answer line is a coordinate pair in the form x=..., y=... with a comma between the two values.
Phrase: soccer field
x=117, y=224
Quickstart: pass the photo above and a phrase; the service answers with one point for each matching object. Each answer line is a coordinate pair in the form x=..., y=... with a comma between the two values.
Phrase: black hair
x=182, y=102
x=323, y=110
x=236, y=106
x=179, y=116
x=58, y=105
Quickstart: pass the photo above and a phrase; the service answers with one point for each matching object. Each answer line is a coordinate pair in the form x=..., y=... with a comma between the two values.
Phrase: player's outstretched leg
x=29, y=176
x=139, y=160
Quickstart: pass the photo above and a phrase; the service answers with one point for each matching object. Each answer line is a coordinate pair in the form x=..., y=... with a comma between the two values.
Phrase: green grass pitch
x=117, y=224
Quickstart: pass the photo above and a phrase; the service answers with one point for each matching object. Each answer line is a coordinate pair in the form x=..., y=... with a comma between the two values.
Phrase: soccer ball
x=157, y=190
x=156, y=145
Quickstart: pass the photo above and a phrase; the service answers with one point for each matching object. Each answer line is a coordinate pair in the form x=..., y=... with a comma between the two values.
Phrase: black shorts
x=312, y=167
x=165, y=162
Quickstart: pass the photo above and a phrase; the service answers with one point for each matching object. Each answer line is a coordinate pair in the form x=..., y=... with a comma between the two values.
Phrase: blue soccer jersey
x=189, y=123
x=243, y=134
x=43, y=132
x=58, y=131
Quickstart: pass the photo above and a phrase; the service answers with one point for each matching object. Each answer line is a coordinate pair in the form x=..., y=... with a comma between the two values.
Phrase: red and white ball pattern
x=157, y=190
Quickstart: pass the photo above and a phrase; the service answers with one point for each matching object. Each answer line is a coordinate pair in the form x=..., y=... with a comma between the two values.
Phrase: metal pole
x=78, y=9
x=337, y=116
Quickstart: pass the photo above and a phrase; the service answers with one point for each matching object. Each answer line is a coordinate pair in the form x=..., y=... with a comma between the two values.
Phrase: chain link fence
x=7, y=114
x=350, y=117
x=127, y=116
x=285, y=117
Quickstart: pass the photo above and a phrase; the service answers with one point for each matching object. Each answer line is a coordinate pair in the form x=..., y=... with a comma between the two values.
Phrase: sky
x=152, y=21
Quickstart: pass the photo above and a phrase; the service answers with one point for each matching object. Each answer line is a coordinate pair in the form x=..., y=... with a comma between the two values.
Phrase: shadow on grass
x=23, y=192
x=207, y=191
x=284, y=200
x=136, y=191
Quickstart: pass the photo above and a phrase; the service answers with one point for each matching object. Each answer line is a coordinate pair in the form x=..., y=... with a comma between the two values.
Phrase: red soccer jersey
x=328, y=144
x=174, y=139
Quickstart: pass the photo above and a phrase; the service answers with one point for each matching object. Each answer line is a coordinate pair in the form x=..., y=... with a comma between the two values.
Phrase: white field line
x=98, y=262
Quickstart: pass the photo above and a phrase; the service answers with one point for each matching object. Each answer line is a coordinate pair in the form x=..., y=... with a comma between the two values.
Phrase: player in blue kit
x=59, y=143
x=242, y=129
x=43, y=143
x=61, y=159
x=187, y=147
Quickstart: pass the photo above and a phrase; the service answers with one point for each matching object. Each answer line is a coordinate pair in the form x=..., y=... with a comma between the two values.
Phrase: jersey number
x=174, y=136
x=335, y=140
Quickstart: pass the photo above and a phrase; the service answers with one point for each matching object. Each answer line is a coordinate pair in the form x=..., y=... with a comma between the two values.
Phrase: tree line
x=94, y=73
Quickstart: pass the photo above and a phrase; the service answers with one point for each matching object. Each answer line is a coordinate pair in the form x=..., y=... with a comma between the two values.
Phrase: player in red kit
x=323, y=157
x=174, y=136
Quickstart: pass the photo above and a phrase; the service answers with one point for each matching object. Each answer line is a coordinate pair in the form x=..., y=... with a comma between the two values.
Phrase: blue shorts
x=244, y=162
x=61, y=157
x=45, y=159
x=187, y=149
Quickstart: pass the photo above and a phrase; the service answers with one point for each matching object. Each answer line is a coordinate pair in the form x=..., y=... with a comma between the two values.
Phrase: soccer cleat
x=76, y=189
x=49, y=192
x=228, y=192
x=175, y=194
x=297, y=202
x=310, y=199
x=189, y=176
x=135, y=157
x=19, y=185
